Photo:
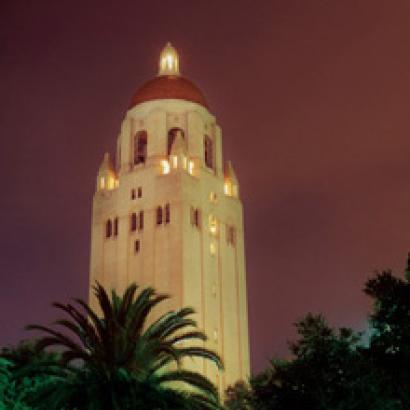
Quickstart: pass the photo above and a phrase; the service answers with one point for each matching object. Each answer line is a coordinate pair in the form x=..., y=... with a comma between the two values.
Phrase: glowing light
x=191, y=167
x=110, y=183
x=212, y=248
x=174, y=159
x=213, y=225
x=165, y=166
x=102, y=183
x=228, y=188
x=169, y=61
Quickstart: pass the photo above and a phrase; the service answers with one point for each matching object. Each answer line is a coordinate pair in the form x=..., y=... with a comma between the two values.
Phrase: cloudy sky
x=313, y=97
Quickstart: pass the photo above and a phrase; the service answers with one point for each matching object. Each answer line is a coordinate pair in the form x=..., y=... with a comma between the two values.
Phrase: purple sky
x=313, y=97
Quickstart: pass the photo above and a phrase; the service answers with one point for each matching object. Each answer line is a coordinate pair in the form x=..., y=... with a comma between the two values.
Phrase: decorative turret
x=106, y=179
x=168, y=84
x=230, y=181
x=168, y=61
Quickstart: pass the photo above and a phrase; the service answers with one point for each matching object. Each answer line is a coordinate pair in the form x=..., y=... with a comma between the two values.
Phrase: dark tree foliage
x=23, y=365
x=331, y=370
x=121, y=361
x=389, y=348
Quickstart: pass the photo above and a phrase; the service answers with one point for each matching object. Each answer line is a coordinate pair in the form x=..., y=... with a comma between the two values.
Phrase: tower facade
x=168, y=215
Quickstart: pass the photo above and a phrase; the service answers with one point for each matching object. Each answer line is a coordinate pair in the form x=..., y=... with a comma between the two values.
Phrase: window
x=133, y=222
x=209, y=152
x=133, y=194
x=115, y=226
x=213, y=197
x=139, y=192
x=140, y=147
x=141, y=220
x=137, y=246
x=159, y=215
x=213, y=225
x=167, y=214
x=108, y=229
x=230, y=235
x=172, y=134
x=195, y=217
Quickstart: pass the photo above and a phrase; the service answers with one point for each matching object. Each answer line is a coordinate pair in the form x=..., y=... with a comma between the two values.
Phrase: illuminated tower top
x=168, y=61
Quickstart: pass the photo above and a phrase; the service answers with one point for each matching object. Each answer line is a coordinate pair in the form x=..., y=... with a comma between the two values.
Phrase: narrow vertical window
x=141, y=221
x=116, y=226
x=140, y=147
x=167, y=214
x=139, y=192
x=137, y=246
x=133, y=222
x=159, y=215
x=172, y=134
x=230, y=235
x=208, y=152
x=133, y=194
x=197, y=218
x=108, y=229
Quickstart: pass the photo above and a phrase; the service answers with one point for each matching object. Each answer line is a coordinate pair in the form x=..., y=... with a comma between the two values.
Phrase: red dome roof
x=169, y=87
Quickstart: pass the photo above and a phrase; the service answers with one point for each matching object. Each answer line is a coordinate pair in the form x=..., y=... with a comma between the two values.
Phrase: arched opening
x=172, y=134
x=141, y=220
x=209, y=152
x=159, y=215
x=140, y=147
x=108, y=229
x=133, y=222
x=167, y=214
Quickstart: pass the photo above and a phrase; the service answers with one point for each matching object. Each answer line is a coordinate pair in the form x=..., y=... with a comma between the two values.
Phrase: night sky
x=313, y=98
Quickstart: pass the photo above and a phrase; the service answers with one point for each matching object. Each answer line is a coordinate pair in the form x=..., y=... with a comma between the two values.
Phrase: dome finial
x=168, y=61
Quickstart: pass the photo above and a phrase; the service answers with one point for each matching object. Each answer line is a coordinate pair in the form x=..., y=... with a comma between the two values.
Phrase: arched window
x=116, y=226
x=141, y=220
x=133, y=222
x=197, y=218
x=108, y=229
x=172, y=133
x=140, y=147
x=209, y=152
x=137, y=246
x=159, y=215
x=167, y=214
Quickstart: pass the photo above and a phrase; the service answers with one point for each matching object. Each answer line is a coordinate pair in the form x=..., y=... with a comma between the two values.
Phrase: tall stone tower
x=168, y=215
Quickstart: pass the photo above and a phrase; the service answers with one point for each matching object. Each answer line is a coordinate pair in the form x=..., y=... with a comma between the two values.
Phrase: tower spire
x=168, y=61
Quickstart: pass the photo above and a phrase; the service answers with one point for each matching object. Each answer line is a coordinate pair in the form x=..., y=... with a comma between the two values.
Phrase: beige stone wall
x=176, y=258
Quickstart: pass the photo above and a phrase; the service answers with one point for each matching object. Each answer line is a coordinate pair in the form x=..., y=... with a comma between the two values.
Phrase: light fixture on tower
x=168, y=61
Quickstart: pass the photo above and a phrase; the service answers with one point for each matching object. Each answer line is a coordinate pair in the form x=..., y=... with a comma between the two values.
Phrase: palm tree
x=119, y=361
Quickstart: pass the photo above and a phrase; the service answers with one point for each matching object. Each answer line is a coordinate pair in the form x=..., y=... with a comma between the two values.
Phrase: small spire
x=229, y=173
x=106, y=164
x=168, y=61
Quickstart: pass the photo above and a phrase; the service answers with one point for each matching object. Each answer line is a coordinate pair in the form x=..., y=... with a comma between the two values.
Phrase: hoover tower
x=168, y=215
